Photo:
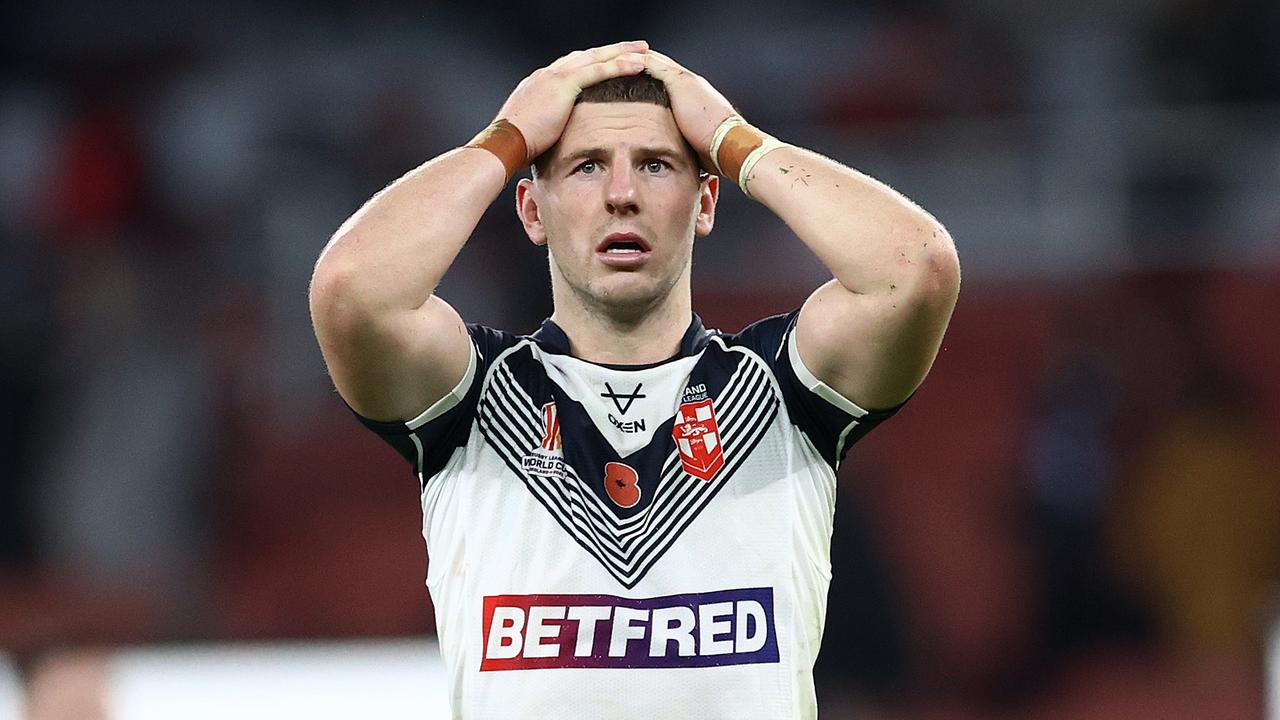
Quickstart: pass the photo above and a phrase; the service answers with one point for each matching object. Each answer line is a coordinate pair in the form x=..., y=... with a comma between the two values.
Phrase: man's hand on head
x=697, y=106
x=540, y=105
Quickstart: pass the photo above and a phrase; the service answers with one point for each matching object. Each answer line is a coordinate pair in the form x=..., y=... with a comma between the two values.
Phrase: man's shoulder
x=764, y=336
x=491, y=342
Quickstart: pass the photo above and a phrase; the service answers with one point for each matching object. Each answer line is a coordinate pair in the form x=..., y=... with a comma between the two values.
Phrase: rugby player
x=629, y=515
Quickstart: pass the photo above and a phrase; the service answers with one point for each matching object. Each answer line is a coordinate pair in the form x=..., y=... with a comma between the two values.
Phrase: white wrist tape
x=769, y=145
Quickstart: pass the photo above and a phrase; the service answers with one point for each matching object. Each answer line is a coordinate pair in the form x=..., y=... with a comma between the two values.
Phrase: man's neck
x=626, y=339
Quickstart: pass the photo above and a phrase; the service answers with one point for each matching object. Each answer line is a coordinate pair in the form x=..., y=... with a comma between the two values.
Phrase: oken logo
x=619, y=398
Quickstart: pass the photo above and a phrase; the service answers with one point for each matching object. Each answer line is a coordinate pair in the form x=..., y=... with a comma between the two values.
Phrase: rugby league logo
x=532, y=632
x=698, y=439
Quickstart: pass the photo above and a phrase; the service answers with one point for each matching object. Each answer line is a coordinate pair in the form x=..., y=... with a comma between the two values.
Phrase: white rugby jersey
x=647, y=541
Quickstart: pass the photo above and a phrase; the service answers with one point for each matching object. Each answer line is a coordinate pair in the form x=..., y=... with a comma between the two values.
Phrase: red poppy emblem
x=622, y=483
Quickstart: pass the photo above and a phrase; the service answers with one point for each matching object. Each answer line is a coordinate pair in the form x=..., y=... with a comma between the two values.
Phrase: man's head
x=642, y=88
x=618, y=199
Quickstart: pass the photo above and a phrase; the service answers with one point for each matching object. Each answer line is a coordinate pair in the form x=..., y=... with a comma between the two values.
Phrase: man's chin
x=626, y=293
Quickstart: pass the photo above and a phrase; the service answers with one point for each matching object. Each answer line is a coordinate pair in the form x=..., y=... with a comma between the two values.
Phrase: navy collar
x=551, y=338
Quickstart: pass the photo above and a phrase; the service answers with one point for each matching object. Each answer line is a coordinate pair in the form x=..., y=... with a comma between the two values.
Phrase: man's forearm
x=872, y=239
x=393, y=252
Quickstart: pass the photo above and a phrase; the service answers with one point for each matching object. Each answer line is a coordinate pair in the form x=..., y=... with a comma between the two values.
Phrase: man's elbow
x=338, y=306
x=937, y=269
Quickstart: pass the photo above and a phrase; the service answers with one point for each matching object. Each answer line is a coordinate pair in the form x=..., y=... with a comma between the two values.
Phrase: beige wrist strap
x=736, y=147
x=506, y=142
x=744, y=176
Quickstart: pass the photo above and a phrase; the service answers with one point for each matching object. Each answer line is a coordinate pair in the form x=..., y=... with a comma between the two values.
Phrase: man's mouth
x=623, y=250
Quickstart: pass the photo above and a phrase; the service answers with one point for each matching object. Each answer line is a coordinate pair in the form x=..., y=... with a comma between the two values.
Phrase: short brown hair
x=642, y=88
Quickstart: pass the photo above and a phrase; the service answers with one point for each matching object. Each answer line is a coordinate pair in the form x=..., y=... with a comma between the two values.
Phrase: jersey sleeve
x=831, y=421
x=430, y=439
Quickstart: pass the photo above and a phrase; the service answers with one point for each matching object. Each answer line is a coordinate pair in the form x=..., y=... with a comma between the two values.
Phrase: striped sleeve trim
x=451, y=400
x=816, y=386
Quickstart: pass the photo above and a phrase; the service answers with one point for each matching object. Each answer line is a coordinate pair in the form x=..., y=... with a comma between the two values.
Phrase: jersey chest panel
x=707, y=582
x=626, y=510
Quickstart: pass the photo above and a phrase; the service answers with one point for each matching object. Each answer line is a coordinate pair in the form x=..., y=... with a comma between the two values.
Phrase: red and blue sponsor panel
x=724, y=627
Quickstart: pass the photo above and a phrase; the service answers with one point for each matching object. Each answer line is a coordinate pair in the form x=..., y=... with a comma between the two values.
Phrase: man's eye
x=655, y=166
x=587, y=167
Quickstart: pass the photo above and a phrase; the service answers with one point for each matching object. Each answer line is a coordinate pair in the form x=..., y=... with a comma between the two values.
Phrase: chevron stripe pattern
x=513, y=425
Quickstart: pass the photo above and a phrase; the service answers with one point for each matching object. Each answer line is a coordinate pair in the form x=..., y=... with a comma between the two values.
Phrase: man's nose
x=621, y=192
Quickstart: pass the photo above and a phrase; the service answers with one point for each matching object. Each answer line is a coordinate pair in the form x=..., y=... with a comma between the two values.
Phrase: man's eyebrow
x=582, y=154
x=659, y=151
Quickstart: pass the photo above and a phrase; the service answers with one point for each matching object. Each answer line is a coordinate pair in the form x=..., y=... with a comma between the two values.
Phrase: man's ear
x=527, y=210
x=708, y=194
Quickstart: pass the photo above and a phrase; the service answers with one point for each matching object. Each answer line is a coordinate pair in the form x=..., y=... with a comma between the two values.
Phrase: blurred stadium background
x=1078, y=515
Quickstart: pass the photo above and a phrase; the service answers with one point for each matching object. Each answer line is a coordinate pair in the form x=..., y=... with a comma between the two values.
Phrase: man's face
x=618, y=205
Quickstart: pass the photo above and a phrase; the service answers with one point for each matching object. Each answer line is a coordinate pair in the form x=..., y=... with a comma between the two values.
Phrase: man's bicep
x=395, y=368
x=872, y=350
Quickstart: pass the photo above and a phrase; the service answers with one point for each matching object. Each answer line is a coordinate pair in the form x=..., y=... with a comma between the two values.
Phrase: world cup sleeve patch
x=697, y=438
